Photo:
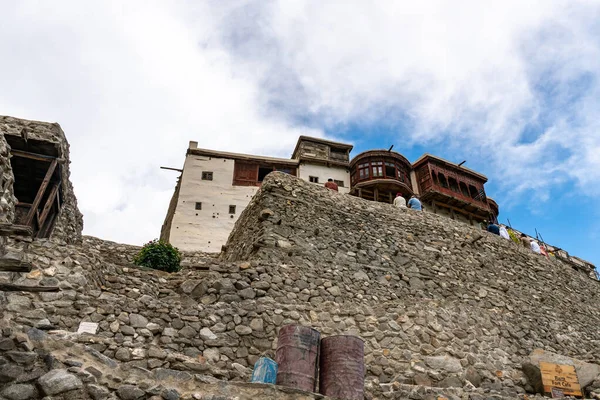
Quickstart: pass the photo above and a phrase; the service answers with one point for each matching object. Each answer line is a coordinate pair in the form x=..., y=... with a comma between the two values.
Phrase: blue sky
x=512, y=87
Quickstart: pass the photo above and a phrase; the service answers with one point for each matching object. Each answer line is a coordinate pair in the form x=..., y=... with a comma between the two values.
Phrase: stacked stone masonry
x=444, y=309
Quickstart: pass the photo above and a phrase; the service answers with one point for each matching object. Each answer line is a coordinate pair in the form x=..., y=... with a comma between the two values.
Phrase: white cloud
x=132, y=82
x=476, y=76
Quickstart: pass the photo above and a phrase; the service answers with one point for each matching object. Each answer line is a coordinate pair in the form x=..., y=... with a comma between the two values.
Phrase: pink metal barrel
x=342, y=367
x=298, y=356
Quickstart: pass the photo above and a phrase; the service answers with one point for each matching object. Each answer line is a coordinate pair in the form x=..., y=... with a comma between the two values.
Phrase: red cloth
x=331, y=185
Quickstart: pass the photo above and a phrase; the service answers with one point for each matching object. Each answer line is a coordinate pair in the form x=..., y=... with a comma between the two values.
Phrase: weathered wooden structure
x=379, y=174
x=37, y=198
x=443, y=184
x=37, y=185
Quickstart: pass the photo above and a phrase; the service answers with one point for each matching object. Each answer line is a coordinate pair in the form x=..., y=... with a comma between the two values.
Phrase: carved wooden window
x=207, y=176
x=377, y=168
x=313, y=179
x=443, y=181
x=245, y=173
x=339, y=183
x=363, y=171
x=453, y=184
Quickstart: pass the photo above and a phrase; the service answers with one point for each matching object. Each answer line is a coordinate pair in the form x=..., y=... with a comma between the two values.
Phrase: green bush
x=160, y=255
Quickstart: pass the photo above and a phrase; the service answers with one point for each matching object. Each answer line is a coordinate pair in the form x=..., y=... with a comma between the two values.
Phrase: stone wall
x=69, y=224
x=441, y=313
x=479, y=307
x=7, y=198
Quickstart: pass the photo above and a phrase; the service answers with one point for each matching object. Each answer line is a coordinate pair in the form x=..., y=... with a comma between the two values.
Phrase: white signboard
x=88, y=327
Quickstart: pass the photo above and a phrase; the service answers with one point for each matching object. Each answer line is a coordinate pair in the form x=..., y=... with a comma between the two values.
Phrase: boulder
x=20, y=392
x=586, y=372
x=130, y=392
x=59, y=381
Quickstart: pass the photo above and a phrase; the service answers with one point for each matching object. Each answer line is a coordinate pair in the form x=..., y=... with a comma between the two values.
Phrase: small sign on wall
x=560, y=380
x=88, y=327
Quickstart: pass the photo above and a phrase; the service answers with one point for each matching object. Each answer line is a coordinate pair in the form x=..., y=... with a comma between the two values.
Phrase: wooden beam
x=9, y=287
x=172, y=169
x=58, y=200
x=33, y=156
x=14, y=266
x=40, y=193
x=48, y=206
x=20, y=230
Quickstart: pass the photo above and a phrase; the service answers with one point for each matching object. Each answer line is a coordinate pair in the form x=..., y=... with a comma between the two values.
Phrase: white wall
x=324, y=172
x=207, y=229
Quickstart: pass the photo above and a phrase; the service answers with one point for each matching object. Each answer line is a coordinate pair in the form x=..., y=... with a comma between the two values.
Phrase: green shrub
x=160, y=255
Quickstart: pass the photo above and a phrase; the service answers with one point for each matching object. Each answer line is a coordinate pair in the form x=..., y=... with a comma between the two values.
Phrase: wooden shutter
x=245, y=174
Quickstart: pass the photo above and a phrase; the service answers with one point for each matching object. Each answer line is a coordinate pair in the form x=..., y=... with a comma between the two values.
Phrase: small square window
x=313, y=179
x=198, y=205
x=339, y=183
x=231, y=209
x=207, y=176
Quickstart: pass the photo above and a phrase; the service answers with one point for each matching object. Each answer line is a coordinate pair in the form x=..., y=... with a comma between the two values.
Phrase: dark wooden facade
x=378, y=175
x=252, y=173
x=459, y=190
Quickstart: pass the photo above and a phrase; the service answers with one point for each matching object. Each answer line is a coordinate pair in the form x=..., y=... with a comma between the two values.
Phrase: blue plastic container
x=265, y=371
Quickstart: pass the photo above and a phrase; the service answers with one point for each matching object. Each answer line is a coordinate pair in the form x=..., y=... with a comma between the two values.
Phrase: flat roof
x=241, y=156
x=322, y=141
x=427, y=156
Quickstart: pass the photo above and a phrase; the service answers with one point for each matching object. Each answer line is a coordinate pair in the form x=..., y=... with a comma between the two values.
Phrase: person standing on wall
x=330, y=184
x=414, y=203
x=493, y=228
x=535, y=247
x=504, y=232
x=400, y=201
x=525, y=241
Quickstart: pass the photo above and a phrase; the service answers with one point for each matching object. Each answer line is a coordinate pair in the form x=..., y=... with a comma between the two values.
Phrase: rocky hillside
x=445, y=309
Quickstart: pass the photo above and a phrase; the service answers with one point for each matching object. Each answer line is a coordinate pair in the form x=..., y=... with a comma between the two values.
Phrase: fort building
x=216, y=186
x=445, y=309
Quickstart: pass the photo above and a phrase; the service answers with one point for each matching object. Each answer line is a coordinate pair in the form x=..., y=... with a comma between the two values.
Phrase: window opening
x=435, y=178
x=390, y=170
x=338, y=154
x=37, y=184
x=363, y=171
x=443, y=181
x=232, y=209
x=313, y=179
x=453, y=184
x=207, y=176
x=377, y=168
x=339, y=183
x=463, y=189
x=263, y=172
x=473, y=191
x=198, y=205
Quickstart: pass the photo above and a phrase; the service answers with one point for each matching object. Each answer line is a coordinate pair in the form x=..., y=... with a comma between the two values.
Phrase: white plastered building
x=215, y=187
